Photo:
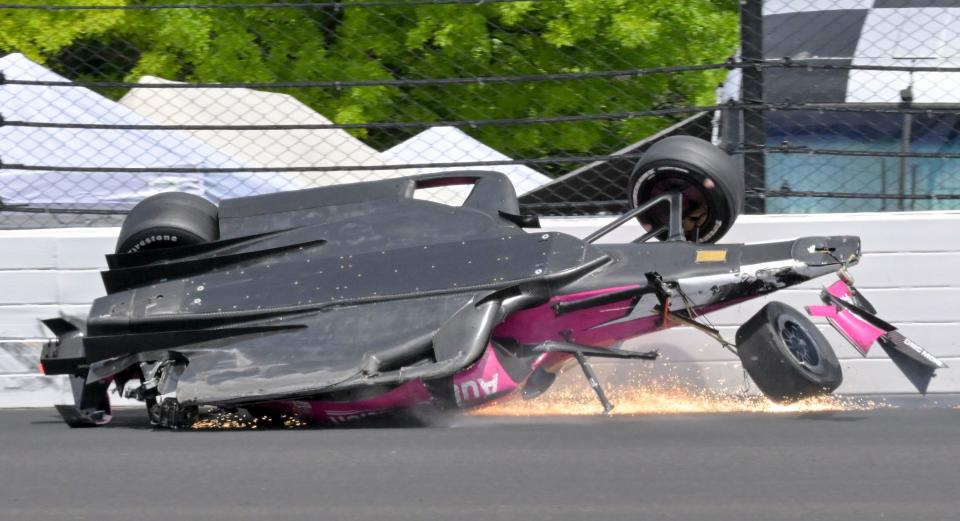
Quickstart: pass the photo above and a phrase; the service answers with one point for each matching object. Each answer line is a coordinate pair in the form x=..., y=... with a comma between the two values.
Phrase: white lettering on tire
x=151, y=239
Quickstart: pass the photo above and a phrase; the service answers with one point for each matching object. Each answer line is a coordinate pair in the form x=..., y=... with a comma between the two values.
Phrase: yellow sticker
x=711, y=255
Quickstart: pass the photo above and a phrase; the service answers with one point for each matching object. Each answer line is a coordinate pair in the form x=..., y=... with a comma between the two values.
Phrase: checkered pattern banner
x=879, y=76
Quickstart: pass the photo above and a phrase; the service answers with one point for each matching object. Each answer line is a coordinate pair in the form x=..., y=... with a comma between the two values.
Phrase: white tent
x=268, y=148
x=313, y=147
x=72, y=147
x=452, y=145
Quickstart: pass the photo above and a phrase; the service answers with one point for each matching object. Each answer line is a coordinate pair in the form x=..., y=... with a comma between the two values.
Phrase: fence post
x=751, y=92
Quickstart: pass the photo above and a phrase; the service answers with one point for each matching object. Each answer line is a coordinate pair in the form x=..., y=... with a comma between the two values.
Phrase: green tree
x=436, y=41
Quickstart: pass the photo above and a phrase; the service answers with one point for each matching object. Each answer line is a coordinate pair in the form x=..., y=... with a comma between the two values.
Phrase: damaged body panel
x=339, y=303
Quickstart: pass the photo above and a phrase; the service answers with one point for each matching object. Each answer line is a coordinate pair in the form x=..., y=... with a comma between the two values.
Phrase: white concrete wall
x=43, y=273
x=910, y=271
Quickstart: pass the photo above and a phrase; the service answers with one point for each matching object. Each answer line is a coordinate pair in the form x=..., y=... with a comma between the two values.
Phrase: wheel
x=786, y=355
x=711, y=183
x=167, y=220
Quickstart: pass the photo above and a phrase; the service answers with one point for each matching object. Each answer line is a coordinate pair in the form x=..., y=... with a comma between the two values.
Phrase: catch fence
x=832, y=105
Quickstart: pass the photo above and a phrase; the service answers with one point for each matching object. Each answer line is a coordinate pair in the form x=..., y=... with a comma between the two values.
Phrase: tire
x=711, y=182
x=168, y=220
x=786, y=355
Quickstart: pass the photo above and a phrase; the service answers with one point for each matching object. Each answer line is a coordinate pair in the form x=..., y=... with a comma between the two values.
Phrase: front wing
x=852, y=315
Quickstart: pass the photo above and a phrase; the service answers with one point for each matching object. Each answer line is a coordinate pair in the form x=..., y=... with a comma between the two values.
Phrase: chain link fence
x=834, y=105
x=865, y=95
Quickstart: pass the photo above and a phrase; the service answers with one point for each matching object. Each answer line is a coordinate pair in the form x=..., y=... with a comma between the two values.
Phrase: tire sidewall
x=770, y=364
x=157, y=238
x=168, y=220
x=694, y=160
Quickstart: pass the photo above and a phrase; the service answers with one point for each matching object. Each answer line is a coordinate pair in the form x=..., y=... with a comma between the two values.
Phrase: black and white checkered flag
x=898, y=33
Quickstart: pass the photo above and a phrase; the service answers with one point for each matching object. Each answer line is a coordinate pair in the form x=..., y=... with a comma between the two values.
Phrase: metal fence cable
x=262, y=5
x=609, y=116
x=278, y=169
x=478, y=80
x=400, y=82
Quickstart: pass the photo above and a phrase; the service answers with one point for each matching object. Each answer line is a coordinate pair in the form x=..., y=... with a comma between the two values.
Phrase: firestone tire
x=711, y=183
x=168, y=220
x=785, y=354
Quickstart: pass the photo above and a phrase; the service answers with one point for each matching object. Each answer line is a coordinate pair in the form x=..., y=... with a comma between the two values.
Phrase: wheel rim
x=702, y=221
x=800, y=345
x=696, y=211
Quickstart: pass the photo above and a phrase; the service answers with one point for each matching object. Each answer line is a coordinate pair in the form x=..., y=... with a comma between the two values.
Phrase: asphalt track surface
x=898, y=464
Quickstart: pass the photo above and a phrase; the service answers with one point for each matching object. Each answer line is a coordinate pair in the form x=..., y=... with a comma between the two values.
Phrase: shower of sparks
x=660, y=396
x=663, y=400
x=224, y=420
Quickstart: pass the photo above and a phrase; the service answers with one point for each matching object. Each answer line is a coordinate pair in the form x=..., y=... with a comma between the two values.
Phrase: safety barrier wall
x=909, y=271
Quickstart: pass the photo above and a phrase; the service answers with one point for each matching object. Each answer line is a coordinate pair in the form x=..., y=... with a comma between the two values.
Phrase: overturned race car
x=343, y=302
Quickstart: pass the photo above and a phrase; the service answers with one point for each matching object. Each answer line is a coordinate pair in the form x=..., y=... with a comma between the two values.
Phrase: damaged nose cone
x=780, y=265
x=830, y=252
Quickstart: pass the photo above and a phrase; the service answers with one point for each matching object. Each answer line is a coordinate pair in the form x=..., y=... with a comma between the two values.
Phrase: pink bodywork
x=407, y=395
x=860, y=334
x=483, y=381
x=486, y=379
x=539, y=324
